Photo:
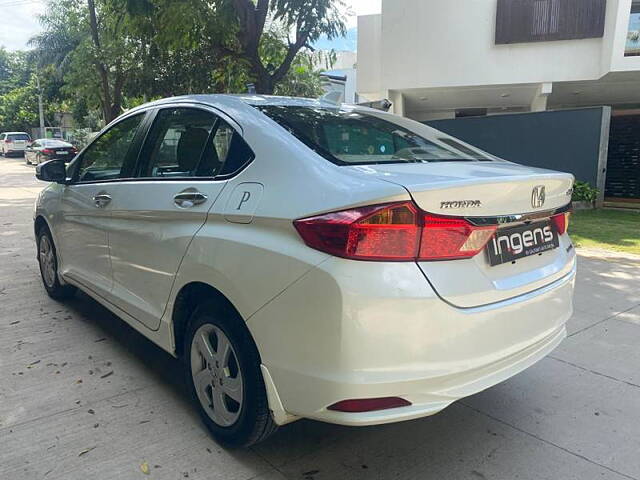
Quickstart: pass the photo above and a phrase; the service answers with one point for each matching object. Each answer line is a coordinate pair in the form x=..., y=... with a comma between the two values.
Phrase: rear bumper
x=350, y=330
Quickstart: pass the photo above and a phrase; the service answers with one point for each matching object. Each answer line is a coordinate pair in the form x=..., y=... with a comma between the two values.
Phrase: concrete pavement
x=82, y=395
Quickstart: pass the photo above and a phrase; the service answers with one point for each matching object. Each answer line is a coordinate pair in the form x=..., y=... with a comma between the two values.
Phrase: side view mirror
x=52, y=171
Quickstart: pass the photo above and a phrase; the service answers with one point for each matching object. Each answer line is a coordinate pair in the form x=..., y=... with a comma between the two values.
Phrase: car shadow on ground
x=161, y=365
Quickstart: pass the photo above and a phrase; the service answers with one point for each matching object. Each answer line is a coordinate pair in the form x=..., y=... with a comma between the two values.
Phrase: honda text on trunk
x=311, y=260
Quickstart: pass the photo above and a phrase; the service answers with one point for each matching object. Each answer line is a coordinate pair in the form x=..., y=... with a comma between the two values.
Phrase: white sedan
x=306, y=259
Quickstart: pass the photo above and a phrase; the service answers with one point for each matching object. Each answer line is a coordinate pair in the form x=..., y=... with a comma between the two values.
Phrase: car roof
x=244, y=100
x=15, y=133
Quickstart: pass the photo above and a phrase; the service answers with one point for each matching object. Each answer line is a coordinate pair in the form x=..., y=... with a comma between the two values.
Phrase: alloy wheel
x=216, y=374
x=47, y=261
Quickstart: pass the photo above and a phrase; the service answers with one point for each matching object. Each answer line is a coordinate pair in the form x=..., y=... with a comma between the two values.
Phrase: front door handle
x=188, y=199
x=101, y=200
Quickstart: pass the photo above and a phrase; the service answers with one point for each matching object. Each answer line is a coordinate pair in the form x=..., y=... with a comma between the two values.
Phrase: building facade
x=440, y=58
x=444, y=59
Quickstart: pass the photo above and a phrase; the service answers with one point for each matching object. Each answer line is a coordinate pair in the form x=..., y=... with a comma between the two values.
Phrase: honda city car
x=306, y=259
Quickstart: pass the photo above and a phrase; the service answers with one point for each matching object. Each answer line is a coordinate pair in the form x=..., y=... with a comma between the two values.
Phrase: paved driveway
x=83, y=396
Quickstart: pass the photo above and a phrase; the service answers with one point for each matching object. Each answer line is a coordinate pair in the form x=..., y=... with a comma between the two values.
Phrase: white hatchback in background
x=311, y=260
x=14, y=143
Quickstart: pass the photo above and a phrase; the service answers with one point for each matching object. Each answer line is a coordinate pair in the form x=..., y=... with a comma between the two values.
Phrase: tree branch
x=301, y=40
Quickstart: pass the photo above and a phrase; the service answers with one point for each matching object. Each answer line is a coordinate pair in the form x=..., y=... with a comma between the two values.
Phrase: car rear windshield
x=54, y=143
x=356, y=138
x=18, y=136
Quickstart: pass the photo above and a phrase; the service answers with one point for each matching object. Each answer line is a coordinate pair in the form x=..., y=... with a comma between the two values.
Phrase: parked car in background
x=44, y=149
x=12, y=143
x=311, y=260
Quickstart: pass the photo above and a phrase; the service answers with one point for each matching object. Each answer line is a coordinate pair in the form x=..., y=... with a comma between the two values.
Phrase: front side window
x=189, y=142
x=356, y=138
x=106, y=157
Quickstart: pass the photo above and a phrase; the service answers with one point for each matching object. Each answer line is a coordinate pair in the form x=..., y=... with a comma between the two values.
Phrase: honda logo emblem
x=538, y=196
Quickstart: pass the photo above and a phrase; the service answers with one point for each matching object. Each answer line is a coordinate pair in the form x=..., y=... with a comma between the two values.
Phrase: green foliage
x=19, y=104
x=97, y=58
x=15, y=70
x=19, y=109
x=303, y=80
x=583, y=192
x=255, y=41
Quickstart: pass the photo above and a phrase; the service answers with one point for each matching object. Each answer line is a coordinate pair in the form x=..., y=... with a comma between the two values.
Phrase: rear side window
x=106, y=157
x=356, y=138
x=189, y=142
x=230, y=149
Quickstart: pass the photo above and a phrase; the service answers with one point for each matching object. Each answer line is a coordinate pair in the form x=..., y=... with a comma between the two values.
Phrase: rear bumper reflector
x=369, y=404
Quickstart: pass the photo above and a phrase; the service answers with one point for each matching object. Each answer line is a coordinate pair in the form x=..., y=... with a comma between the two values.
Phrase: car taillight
x=48, y=151
x=450, y=238
x=393, y=232
x=381, y=232
x=561, y=222
x=9, y=140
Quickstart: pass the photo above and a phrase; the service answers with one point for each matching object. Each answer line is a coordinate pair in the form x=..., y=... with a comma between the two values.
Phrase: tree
x=89, y=42
x=18, y=91
x=242, y=33
x=19, y=109
x=307, y=19
x=15, y=70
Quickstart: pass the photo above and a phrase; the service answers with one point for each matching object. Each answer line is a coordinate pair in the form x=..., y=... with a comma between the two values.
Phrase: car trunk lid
x=497, y=191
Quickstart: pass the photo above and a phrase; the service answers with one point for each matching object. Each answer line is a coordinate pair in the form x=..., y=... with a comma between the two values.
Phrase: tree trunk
x=264, y=84
x=103, y=73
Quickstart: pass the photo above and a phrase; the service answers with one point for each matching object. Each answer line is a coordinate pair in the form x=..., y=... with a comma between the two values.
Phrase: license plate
x=63, y=152
x=510, y=244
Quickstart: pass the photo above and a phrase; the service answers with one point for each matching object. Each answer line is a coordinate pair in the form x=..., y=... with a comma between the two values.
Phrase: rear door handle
x=189, y=199
x=101, y=200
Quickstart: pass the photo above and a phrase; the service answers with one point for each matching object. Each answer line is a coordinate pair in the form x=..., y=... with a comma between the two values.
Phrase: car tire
x=48, y=262
x=228, y=389
x=26, y=160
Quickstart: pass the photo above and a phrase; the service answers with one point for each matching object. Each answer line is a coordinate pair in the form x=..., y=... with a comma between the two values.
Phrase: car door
x=156, y=216
x=81, y=230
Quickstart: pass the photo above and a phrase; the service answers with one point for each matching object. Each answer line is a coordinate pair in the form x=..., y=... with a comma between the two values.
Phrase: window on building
x=522, y=21
x=632, y=48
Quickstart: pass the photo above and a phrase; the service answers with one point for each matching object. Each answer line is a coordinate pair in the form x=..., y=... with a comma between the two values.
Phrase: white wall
x=437, y=43
x=369, y=56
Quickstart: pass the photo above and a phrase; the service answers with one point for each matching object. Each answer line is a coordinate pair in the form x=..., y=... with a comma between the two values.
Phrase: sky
x=20, y=22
